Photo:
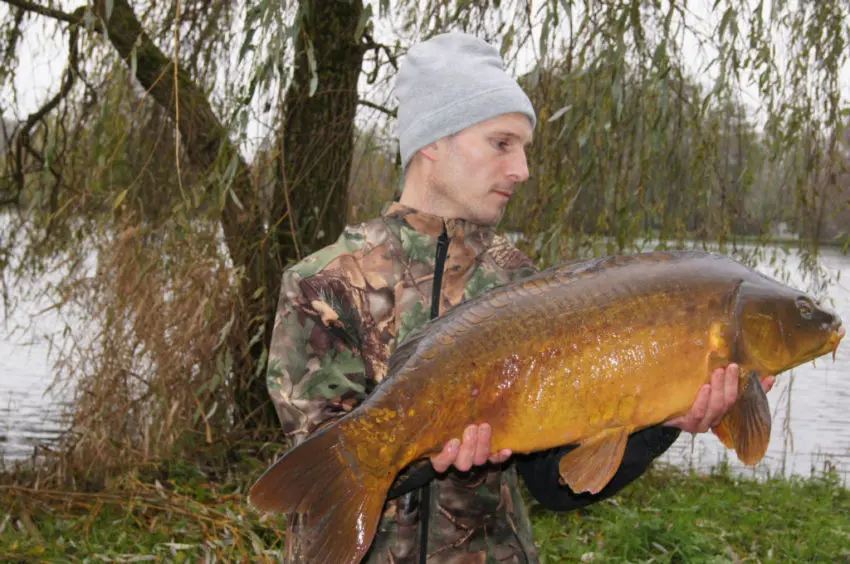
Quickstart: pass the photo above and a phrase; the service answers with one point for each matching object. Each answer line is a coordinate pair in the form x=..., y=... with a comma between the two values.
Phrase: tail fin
x=746, y=427
x=320, y=479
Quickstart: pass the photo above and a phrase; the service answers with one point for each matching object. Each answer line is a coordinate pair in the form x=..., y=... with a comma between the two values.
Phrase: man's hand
x=714, y=400
x=473, y=451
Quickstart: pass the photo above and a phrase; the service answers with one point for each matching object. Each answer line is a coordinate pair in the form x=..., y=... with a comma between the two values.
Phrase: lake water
x=29, y=413
x=810, y=406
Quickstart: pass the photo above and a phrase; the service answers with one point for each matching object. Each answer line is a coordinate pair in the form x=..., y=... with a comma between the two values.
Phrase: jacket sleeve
x=315, y=373
x=540, y=469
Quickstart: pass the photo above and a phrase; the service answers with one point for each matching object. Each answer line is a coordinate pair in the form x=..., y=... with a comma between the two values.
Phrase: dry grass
x=150, y=364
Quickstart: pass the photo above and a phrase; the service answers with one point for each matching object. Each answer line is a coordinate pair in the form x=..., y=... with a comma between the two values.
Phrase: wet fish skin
x=585, y=353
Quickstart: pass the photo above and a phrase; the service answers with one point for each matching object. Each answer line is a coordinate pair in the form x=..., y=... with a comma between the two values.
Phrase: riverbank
x=178, y=513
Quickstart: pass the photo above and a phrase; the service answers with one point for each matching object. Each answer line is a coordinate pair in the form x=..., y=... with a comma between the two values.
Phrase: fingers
x=459, y=454
x=447, y=456
x=700, y=407
x=501, y=456
x=724, y=392
x=472, y=450
x=466, y=454
x=482, y=445
x=712, y=402
x=767, y=383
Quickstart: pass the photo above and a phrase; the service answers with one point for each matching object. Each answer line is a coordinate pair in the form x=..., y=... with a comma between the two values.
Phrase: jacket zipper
x=425, y=492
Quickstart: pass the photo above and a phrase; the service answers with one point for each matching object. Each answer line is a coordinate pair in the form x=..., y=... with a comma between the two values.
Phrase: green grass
x=176, y=514
x=670, y=516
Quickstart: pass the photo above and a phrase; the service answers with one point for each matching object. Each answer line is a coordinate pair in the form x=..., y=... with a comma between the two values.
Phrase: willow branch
x=390, y=112
x=369, y=43
x=23, y=135
x=44, y=11
x=202, y=134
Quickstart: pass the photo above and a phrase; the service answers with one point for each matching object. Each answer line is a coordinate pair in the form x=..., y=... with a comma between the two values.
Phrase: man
x=464, y=126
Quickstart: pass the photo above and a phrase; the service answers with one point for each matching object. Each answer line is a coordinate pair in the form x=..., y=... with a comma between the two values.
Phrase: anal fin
x=591, y=466
x=746, y=427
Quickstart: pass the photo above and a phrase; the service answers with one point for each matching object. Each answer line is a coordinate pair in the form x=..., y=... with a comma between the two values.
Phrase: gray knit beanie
x=448, y=83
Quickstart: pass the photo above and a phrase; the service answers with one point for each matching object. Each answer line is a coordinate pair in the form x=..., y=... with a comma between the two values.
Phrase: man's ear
x=431, y=151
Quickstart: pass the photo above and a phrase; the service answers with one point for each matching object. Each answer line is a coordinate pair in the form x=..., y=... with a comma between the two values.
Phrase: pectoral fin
x=746, y=427
x=722, y=433
x=591, y=466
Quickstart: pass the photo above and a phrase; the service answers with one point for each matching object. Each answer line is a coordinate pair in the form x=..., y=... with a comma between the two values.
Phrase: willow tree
x=140, y=161
x=190, y=151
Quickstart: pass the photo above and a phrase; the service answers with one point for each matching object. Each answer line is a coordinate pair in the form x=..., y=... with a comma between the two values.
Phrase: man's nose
x=518, y=167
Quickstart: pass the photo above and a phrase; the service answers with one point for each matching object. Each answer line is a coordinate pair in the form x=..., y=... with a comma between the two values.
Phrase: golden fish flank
x=584, y=354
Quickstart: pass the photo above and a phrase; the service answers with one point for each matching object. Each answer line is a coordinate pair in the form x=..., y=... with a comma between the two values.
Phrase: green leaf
x=225, y=331
x=728, y=17
x=365, y=16
x=246, y=44
x=544, y=36
x=507, y=41
x=560, y=112
x=637, y=29
x=311, y=61
x=235, y=199
x=659, y=58
x=119, y=199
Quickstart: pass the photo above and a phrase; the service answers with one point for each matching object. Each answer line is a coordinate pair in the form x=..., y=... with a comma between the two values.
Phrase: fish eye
x=805, y=307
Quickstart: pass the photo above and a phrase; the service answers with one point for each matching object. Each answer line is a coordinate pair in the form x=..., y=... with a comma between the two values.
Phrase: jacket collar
x=480, y=236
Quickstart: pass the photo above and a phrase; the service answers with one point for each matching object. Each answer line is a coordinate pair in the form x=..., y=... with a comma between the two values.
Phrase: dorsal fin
x=406, y=350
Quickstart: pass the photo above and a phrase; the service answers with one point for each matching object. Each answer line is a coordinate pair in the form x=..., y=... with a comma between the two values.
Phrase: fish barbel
x=585, y=353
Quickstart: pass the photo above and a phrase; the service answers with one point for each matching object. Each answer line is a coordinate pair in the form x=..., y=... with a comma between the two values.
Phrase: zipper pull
x=439, y=265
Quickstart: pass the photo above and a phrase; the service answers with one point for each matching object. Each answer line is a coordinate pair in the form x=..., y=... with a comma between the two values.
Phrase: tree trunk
x=317, y=140
x=317, y=145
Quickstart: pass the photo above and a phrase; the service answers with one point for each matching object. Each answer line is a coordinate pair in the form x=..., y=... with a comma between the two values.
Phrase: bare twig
x=390, y=112
x=370, y=43
x=44, y=11
x=177, y=97
x=13, y=38
x=23, y=135
x=293, y=228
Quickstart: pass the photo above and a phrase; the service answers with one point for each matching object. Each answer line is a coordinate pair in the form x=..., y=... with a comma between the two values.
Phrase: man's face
x=475, y=172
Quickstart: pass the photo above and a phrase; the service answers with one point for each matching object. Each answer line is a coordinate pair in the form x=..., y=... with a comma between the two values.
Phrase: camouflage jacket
x=342, y=312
